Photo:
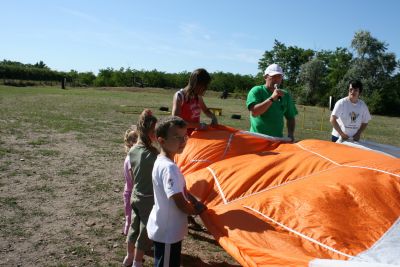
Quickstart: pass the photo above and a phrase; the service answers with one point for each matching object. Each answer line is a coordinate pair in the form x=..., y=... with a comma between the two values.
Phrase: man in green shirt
x=268, y=105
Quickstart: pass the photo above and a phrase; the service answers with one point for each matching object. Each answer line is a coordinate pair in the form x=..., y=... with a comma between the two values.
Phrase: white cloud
x=242, y=55
x=191, y=31
x=80, y=15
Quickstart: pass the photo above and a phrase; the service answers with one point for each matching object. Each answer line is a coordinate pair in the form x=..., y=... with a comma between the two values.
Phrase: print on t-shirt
x=195, y=110
x=170, y=183
x=350, y=116
x=353, y=116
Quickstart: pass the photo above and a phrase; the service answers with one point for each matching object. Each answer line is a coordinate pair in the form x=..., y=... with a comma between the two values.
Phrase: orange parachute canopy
x=278, y=204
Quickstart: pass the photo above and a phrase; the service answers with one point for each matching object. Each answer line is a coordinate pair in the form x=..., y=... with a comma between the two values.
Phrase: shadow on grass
x=190, y=261
x=203, y=238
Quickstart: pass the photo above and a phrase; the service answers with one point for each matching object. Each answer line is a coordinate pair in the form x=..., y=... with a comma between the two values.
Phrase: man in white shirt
x=350, y=116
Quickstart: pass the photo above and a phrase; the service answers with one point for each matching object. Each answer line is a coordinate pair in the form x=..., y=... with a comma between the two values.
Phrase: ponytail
x=145, y=124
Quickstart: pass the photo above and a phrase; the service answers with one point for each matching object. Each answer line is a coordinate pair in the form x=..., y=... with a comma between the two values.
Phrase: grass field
x=61, y=181
x=82, y=109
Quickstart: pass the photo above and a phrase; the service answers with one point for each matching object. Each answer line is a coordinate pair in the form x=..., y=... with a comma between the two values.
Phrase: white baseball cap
x=273, y=69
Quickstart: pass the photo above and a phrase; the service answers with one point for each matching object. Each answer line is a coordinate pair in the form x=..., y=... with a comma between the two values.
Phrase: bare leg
x=130, y=254
x=138, y=259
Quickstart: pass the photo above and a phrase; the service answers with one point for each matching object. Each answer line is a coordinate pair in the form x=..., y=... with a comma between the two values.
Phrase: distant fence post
x=304, y=117
x=322, y=117
x=331, y=103
x=63, y=82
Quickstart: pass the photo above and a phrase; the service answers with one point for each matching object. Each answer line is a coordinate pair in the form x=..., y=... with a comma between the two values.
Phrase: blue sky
x=178, y=35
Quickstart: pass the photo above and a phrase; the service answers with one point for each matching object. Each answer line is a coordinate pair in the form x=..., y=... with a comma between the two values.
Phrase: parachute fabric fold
x=278, y=204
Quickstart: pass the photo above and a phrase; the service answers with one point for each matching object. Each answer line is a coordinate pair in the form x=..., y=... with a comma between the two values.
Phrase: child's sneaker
x=137, y=264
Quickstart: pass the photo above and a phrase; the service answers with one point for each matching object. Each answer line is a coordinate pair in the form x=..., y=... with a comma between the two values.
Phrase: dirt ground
x=61, y=203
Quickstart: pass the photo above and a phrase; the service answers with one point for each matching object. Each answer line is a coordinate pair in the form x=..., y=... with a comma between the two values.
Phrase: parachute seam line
x=227, y=145
x=286, y=183
x=334, y=162
x=218, y=185
x=264, y=136
x=371, y=169
x=349, y=166
x=200, y=160
x=299, y=234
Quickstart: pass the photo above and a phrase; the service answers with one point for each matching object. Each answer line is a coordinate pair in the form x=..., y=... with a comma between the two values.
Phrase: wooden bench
x=216, y=111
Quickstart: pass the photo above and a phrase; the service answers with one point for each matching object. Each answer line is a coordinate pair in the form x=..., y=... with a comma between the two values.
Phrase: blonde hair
x=130, y=137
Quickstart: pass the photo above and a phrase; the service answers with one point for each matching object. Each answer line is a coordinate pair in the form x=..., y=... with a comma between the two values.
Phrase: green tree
x=86, y=78
x=312, y=76
x=121, y=77
x=337, y=64
x=230, y=82
x=104, y=78
x=73, y=77
x=391, y=97
x=373, y=66
x=41, y=65
x=19, y=71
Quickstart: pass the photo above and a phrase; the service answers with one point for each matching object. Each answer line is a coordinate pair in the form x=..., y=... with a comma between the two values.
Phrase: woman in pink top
x=188, y=102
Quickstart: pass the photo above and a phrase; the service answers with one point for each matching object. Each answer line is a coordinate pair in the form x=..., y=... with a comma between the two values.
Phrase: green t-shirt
x=271, y=121
x=142, y=161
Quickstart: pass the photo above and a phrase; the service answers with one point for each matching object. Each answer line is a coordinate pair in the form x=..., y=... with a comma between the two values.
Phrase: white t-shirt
x=350, y=116
x=167, y=223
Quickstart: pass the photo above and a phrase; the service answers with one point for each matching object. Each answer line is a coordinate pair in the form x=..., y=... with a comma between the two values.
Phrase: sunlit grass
x=113, y=111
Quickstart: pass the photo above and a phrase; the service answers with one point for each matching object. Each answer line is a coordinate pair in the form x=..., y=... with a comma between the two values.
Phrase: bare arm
x=187, y=207
x=176, y=106
x=206, y=111
x=191, y=198
x=336, y=126
x=260, y=108
x=291, y=125
x=199, y=206
x=182, y=204
x=357, y=136
x=127, y=200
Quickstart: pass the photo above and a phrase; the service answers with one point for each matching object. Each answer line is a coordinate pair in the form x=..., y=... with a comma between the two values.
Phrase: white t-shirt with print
x=167, y=224
x=350, y=116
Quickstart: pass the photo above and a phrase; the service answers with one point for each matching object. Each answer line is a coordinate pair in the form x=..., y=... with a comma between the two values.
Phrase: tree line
x=311, y=76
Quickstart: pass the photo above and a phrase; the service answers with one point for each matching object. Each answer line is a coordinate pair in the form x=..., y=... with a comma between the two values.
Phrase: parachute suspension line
x=218, y=185
x=282, y=184
x=227, y=145
x=349, y=166
x=299, y=234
